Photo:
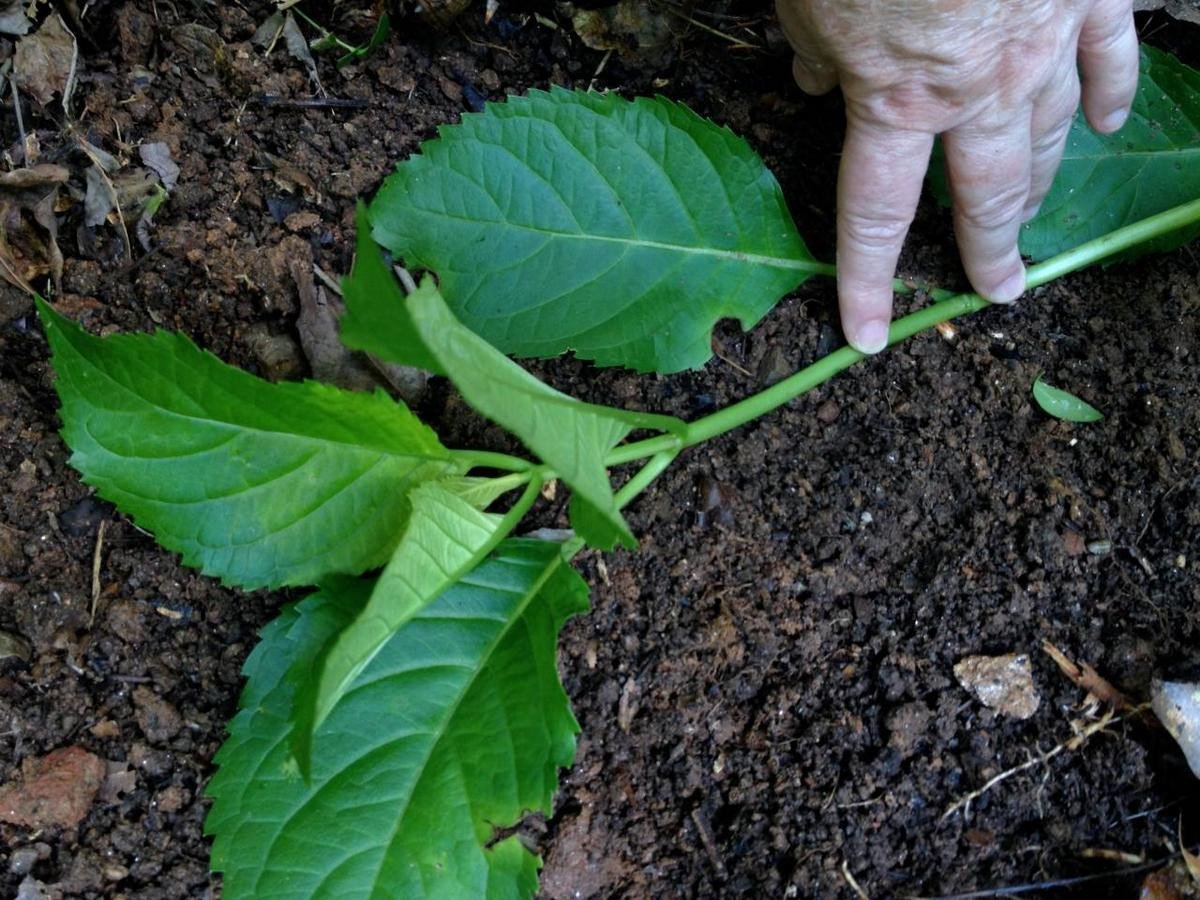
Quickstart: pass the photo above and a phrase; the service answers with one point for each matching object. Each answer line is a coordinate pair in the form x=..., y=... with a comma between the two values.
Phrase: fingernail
x=871, y=336
x=1114, y=120
x=1011, y=288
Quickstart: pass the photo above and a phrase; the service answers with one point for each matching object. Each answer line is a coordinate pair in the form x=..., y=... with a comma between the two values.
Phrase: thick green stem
x=822, y=370
x=645, y=475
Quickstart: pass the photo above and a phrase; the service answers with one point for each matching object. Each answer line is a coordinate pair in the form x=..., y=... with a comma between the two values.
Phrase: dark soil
x=765, y=686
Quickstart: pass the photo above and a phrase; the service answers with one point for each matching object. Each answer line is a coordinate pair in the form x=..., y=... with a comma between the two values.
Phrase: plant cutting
x=398, y=722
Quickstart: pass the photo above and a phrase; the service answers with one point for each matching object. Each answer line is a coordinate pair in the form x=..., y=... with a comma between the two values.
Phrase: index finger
x=879, y=184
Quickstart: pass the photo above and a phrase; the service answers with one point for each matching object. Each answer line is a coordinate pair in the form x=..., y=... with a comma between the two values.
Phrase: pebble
x=1003, y=683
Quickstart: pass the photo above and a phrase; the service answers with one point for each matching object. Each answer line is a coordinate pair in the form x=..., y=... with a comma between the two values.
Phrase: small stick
x=406, y=279
x=328, y=280
x=309, y=102
x=97, y=554
x=850, y=880
x=1073, y=744
x=20, y=119
x=706, y=839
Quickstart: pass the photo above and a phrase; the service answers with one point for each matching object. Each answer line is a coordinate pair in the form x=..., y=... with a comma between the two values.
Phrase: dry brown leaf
x=28, y=228
x=44, y=63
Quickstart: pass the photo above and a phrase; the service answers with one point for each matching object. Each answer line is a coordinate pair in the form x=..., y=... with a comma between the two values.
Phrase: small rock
x=906, y=725
x=22, y=861
x=774, y=366
x=828, y=412
x=84, y=517
x=1100, y=548
x=32, y=889
x=1177, y=705
x=55, y=790
x=105, y=728
x=171, y=799
x=302, y=221
x=157, y=718
x=1003, y=683
x=1073, y=543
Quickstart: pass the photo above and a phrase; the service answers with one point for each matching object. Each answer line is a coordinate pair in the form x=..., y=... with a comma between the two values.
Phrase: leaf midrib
x=1184, y=152
x=779, y=262
x=452, y=708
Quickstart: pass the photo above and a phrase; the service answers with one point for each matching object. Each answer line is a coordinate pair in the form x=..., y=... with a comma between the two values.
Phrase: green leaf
x=572, y=437
x=383, y=28
x=1150, y=165
x=456, y=728
x=446, y=537
x=582, y=221
x=376, y=320
x=1061, y=405
x=1107, y=181
x=594, y=527
x=258, y=484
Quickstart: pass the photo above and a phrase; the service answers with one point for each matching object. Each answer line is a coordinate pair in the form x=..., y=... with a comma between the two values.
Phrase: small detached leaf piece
x=258, y=484
x=454, y=731
x=583, y=221
x=446, y=537
x=1061, y=405
x=570, y=436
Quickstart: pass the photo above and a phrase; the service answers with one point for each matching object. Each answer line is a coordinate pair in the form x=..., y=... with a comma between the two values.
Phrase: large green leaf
x=571, y=436
x=445, y=538
x=1107, y=181
x=1150, y=165
x=456, y=728
x=255, y=483
x=581, y=221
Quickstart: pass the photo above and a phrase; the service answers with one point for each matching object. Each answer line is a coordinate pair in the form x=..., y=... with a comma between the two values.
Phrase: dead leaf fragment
x=13, y=645
x=13, y=19
x=55, y=790
x=156, y=156
x=1003, y=683
x=1184, y=10
x=630, y=26
x=1177, y=705
x=28, y=227
x=44, y=63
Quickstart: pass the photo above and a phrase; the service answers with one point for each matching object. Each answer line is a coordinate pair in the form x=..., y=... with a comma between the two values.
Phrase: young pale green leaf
x=258, y=484
x=582, y=221
x=570, y=436
x=376, y=320
x=1061, y=405
x=446, y=537
x=1107, y=181
x=455, y=729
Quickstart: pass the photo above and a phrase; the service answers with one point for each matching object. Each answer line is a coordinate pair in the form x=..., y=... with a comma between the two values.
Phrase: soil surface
x=766, y=686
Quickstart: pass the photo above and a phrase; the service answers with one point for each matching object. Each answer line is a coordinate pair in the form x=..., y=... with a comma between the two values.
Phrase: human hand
x=997, y=79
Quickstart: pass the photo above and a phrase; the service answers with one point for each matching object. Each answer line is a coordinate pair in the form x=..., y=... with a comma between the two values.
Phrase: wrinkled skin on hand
x=998, y=79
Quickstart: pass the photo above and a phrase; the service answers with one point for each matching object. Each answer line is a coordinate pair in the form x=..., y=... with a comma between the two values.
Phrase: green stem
x=645, y=475
x=822, y=370
x=489, y=460
x=325, y=32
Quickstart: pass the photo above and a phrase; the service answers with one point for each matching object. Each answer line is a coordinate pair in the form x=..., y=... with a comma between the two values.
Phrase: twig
x=97, y=554
x=406, y=279
x=1087, y=678
x=854, y=885
x=706, y=838
x=328, y=280
x=738, y=43
x=1073, y=744
x=20, y=120
x=309, y=102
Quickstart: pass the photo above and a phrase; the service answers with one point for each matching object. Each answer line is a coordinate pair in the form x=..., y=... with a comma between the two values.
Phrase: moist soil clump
x=766, y=686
